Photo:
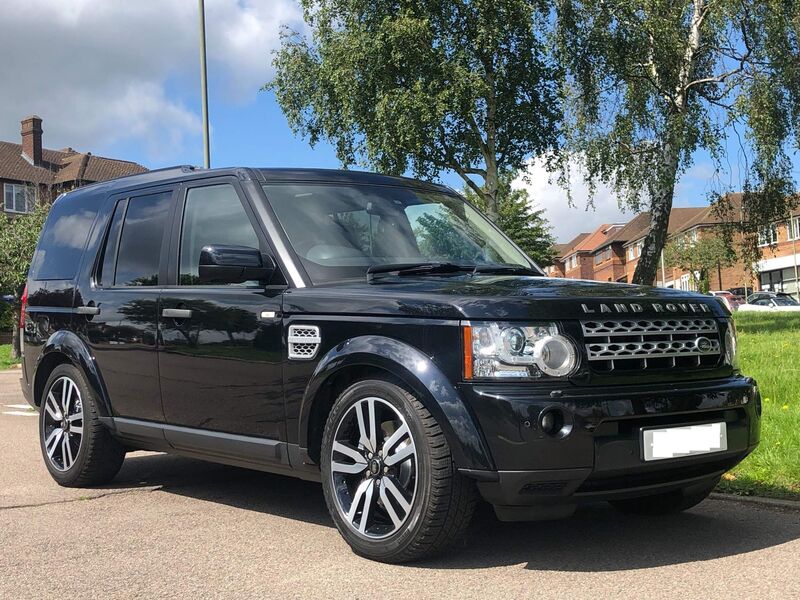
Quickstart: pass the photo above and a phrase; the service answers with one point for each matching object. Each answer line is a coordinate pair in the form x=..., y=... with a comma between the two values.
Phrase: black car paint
x=255, y=408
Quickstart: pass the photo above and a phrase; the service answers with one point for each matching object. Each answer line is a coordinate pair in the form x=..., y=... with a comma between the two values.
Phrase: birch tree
x=649, y=84
x=468, y=86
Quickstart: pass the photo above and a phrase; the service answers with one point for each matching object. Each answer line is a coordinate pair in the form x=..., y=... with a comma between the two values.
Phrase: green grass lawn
x=6, y=361
x=769, y=351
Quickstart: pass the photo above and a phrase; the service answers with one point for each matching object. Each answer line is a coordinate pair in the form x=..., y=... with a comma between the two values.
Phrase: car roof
x=262, y=175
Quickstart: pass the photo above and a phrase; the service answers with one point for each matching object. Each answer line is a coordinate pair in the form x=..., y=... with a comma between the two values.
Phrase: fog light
x=551, y=421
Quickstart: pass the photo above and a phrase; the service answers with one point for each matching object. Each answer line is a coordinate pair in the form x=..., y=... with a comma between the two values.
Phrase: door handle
x=87, y=310
x=176, y=313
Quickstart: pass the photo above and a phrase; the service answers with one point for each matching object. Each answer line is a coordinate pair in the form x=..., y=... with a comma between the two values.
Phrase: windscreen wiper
x=421, y=268
x=489, y=269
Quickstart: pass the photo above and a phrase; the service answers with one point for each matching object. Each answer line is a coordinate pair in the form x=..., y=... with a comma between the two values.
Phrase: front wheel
x=389, y=480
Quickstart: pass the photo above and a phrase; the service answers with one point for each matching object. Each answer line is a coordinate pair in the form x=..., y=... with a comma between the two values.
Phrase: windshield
x=339, y=231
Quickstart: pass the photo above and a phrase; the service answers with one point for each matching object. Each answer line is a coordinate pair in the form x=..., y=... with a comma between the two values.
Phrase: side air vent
x=304, y=341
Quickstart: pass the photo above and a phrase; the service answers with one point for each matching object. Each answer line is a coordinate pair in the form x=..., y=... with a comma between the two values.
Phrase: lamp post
x=794, y=254
x=204, y=84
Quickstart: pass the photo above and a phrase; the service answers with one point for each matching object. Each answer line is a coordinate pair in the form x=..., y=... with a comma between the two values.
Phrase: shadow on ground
x=597, y=538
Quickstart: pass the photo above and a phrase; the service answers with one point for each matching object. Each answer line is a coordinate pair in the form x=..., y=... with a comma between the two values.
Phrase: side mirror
x=234, y=264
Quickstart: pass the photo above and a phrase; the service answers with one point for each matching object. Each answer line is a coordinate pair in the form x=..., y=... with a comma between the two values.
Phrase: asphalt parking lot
x=171, y=527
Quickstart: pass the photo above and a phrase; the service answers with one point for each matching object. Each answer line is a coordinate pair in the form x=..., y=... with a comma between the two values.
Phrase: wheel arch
x=386, y=358
x=65, y=347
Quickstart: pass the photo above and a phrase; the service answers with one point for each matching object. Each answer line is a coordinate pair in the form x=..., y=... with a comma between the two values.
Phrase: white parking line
x=19, y=406
x=19, y=413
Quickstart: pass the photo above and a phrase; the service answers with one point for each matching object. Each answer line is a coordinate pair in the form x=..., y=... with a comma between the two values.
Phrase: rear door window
x=139, y=252
x=105, y=274
x=64, y=236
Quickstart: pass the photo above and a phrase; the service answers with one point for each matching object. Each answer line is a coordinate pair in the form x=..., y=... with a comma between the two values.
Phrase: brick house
x=30, y=173
x=587, y=254
x=615, y=252
x=636, y=230
x=779, y=265
x=557, y=269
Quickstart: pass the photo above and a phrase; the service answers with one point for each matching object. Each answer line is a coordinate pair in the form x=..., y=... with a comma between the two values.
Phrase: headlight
x=510, y=350
x=730, y=344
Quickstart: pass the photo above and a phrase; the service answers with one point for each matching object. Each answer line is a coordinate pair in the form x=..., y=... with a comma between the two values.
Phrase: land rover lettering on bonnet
x=375, y=334
x=637, y=307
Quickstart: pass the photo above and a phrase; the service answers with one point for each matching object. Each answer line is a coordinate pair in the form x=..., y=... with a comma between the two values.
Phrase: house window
x=18, y=198
x=572, y=262
x=639, y=247
x=768, y=236
x=686, y=283
x=631, y=252
x=793, y=229
x=602, y=256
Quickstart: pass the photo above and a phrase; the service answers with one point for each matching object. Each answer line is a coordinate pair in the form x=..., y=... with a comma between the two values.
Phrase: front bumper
x=597, y=455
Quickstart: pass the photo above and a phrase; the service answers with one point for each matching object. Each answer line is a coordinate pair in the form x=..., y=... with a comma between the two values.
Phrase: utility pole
x=204, y=84
x=794, y=231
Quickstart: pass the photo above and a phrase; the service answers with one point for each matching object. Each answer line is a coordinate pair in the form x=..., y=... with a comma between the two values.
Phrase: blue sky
x=121, y=79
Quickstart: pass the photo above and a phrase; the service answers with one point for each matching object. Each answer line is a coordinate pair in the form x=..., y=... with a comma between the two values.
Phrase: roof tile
x=59, y=166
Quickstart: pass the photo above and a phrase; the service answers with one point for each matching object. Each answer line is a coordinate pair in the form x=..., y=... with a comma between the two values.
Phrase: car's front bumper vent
x=651, y=344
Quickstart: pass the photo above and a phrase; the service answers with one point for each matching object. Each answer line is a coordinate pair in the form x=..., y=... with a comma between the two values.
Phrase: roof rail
x=178, y=168
x=142, y=176
x=182, y=168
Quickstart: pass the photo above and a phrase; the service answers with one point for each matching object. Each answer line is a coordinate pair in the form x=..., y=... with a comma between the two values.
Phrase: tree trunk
x=663, y=191
x=491, y=186
x=660, y=208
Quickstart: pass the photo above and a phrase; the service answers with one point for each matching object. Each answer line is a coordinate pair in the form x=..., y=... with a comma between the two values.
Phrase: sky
x=121, y=79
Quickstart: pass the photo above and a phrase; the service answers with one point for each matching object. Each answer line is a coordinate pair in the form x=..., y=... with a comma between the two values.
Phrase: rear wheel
x=668, y=503
x=78, y=450
x=389, y=479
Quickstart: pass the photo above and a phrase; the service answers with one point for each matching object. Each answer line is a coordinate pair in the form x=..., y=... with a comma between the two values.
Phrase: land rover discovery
x=378, y=335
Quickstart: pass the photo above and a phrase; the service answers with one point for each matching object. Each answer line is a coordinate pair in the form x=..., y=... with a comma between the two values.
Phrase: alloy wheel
x=374, y=468
x=62, y=425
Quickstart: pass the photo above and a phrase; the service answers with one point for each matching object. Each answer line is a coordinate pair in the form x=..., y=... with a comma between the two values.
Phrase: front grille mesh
x=651, y=344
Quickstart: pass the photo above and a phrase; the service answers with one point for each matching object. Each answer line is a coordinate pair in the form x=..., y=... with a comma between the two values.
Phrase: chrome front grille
x=651, y=343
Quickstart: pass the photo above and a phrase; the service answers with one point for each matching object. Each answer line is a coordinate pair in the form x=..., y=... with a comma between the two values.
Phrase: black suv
x=376, y=334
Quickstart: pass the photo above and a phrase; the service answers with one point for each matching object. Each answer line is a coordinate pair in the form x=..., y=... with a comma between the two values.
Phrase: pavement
x=170, y=527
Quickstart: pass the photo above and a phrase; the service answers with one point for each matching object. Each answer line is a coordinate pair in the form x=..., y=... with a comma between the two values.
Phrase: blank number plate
x=675, y=442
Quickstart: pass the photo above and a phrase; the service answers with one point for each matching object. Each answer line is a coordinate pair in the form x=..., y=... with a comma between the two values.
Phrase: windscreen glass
x=339, y=231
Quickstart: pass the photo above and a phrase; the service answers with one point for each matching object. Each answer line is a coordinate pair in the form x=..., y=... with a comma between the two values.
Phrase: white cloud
x=568, y=221
x=100, y=72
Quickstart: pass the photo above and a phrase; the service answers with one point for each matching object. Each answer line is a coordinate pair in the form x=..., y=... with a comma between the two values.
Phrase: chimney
x=32, y=139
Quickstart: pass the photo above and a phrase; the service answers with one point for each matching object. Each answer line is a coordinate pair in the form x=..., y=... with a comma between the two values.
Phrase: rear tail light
x=22, y=308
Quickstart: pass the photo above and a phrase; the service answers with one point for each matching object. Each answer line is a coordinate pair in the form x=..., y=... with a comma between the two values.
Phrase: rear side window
x=139, y=250
x=105, y=275
x=64, y=237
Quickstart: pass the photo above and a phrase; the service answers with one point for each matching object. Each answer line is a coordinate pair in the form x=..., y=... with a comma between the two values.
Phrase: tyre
x=389, y=480
x=78, y=450
x=667, y=503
